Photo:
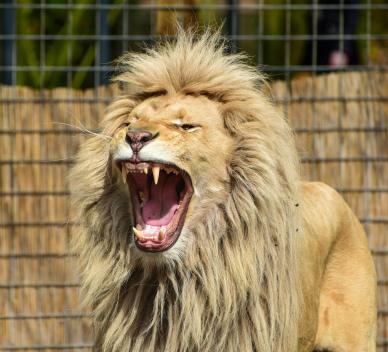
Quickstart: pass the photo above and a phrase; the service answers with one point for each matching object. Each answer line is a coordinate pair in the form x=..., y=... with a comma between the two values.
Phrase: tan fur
x=241, y=276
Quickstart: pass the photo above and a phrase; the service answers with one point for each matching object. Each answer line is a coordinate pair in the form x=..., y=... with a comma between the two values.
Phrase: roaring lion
x=196, y=233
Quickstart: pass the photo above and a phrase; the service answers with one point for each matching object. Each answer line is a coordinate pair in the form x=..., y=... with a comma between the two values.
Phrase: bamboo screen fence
x=341, y=129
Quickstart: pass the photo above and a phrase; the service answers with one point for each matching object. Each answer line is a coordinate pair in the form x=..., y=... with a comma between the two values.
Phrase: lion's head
x=172, y=151
x=186, y=207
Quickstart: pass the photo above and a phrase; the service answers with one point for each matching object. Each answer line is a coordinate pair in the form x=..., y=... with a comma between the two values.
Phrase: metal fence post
x=232, y=23
x=8, y=44
x=103, y=32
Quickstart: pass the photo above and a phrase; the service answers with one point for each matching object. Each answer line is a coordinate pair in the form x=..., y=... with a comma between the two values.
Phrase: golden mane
x=239, y=291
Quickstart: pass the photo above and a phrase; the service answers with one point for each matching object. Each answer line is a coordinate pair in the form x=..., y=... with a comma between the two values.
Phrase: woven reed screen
x=341, y=128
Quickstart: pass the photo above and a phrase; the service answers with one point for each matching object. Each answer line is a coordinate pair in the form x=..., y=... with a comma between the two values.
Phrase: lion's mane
x=235, y=288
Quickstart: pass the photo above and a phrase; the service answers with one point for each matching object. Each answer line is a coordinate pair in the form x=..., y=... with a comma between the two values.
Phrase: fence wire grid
x=55, y=64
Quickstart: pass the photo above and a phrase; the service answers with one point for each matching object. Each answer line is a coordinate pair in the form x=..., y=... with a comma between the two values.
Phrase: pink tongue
x=162, y=202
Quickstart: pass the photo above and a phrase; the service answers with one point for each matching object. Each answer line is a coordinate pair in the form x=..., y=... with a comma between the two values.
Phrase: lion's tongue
x=162, y=201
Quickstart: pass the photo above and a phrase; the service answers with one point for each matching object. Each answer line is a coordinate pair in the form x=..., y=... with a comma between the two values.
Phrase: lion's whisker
x=85, y=130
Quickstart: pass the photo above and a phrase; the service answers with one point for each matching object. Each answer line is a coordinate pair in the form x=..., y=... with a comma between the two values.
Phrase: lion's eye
x=188, y=127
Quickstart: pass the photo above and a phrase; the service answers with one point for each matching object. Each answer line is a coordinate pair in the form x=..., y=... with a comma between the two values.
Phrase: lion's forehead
x=184, y=109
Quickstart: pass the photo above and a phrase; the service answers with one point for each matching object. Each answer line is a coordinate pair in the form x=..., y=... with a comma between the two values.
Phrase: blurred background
x=326, y=62
x=57, y=43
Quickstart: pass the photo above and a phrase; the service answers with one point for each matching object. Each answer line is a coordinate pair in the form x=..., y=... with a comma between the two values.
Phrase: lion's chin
x=160, y=196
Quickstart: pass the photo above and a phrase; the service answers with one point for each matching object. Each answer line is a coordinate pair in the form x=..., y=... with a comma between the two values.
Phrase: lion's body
x=337, y=273
x=251, y=271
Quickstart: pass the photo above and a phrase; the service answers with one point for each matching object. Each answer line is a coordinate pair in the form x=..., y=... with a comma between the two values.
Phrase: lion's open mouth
x=160, y=195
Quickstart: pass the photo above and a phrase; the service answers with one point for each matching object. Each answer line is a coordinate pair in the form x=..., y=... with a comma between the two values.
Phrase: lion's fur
x=234, y=290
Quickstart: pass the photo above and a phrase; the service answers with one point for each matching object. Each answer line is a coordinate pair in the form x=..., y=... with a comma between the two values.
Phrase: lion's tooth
x=162, y=234
x=124, y=173
x=155, y=172
x=146, y=170
x=138, y=233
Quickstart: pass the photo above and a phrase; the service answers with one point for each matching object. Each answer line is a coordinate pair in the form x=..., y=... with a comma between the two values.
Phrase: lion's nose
x=138, y=139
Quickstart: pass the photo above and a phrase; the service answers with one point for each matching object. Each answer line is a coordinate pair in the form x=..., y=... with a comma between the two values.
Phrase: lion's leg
x=347, y=308
x=345, y=323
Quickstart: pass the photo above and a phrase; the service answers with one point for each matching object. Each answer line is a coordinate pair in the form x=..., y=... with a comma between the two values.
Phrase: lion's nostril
x=144, y=139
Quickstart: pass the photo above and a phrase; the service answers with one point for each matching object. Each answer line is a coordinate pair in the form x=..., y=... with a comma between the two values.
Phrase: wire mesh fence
x=327, y=62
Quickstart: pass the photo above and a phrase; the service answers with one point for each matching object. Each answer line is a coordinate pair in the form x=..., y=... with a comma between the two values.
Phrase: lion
x=195, y=230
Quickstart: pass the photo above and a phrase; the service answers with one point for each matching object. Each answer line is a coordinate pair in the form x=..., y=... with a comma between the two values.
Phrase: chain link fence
x=327, y=63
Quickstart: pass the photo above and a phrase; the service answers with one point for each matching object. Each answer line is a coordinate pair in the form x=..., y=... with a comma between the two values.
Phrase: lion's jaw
x=170, y=177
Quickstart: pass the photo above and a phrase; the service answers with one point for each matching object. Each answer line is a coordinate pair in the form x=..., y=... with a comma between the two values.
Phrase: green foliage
x=58, y=54
x=373, y=22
